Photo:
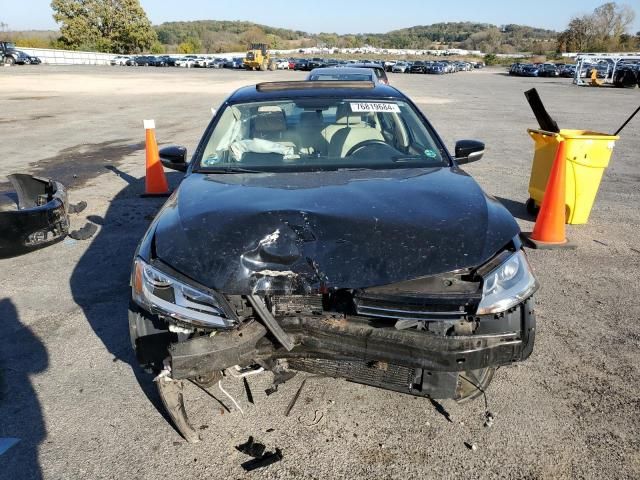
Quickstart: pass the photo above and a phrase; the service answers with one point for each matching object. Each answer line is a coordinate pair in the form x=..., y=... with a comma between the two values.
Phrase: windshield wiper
x=352, y=169
x=228, y=170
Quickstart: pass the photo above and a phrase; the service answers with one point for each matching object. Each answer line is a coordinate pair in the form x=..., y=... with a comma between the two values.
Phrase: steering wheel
x=364, y=144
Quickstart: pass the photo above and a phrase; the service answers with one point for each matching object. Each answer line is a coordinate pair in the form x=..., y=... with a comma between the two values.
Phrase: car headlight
x=167, y=296
x=507, y=285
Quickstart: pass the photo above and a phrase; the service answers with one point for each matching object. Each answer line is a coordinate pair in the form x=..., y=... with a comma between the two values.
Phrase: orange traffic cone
x=155, y=183
x=548, y=231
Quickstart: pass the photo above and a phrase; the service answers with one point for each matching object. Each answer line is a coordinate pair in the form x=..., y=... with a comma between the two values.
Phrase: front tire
x=9, y=61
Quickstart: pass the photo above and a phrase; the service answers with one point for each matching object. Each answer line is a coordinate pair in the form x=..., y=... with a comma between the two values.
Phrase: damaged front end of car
x=438, y=336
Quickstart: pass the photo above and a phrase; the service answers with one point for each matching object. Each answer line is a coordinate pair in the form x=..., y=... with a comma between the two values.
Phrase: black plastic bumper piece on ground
x=40, y=219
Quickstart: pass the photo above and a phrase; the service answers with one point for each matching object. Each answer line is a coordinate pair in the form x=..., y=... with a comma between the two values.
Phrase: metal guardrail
x=53, y=56
x=68, y=57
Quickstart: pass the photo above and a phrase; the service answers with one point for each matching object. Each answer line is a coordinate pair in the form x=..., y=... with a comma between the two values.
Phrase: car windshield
x=319, y=134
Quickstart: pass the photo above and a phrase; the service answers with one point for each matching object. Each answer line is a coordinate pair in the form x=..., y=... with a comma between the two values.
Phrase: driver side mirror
x=468, y=151
x=174, y=157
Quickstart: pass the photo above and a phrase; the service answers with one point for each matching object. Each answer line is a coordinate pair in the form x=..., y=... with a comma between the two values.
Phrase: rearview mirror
x=468, y=151
x=174, y=157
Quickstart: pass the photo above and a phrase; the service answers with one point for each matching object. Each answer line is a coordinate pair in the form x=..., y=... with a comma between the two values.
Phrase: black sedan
x=418, y=67
x=164, y=61
x=324, y=227
x=548, y=70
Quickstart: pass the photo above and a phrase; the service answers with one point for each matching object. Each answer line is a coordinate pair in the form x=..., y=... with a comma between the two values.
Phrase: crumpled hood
x=299, y=232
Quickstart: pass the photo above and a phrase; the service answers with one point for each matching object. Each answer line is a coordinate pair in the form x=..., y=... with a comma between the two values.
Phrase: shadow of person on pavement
x=22, y=427
x=100, y=281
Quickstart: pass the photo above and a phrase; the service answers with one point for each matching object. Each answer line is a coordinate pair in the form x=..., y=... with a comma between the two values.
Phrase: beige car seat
x=353, y=132
x=309, y=132
x=342, y=113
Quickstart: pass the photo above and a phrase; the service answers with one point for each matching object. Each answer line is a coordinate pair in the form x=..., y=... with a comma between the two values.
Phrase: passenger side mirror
x=468, y=151
x=174, y=157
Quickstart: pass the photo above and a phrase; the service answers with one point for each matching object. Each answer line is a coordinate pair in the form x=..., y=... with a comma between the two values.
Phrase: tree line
x=122, y=26
x=604, y=30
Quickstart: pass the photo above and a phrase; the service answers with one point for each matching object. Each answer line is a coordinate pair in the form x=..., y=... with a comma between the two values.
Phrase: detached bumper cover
x=40, y=219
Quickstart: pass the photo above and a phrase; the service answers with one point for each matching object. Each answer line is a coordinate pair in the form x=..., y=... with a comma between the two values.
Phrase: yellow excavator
x=258, y=58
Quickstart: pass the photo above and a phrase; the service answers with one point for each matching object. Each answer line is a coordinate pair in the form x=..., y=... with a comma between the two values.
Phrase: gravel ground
x=69, y=386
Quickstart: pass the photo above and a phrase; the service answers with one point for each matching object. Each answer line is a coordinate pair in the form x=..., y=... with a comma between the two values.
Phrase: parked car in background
x=282, y=64
x=302, y=64
x=627, y=75
x=377, y=69
x=10, y=55
x=388, y=65
x=22, y=58
x=235, y=62
x=144, y=61
x=201, y=62
x=516, y=69
x=216, y=63
x=185, y=62
x=530, y=71
x=435, y=68
x=119, y=60
x=343, y=74
x=548, y=70
x=418, y=67
x=568, y=71
x=315, y=63
x=165, y=61
x=401, y=67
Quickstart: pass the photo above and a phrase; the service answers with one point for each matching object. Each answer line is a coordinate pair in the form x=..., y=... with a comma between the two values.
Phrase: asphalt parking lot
x=70, y=388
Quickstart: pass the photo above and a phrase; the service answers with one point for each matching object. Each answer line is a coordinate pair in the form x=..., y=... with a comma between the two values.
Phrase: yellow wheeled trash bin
x=587, y=156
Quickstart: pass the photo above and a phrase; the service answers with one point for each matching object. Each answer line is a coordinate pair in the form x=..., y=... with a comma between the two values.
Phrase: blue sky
x=341, y=16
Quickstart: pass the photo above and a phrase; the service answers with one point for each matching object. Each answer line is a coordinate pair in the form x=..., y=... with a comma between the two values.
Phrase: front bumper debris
x=41, y=217
x=351, y=347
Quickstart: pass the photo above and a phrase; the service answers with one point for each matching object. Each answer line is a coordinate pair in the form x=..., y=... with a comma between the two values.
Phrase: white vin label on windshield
x=375, y=107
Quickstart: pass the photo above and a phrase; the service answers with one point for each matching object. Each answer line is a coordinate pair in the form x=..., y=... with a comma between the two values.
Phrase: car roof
x=341, y=70
x=366, y=65
x=318, y=89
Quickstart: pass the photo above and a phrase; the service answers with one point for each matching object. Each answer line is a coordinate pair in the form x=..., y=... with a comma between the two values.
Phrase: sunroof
x=310, y=85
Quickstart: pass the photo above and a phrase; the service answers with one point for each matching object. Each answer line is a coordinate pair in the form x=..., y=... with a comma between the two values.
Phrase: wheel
x=9, y=61
x=263, y=67
x=532, y=208
x=473, y=383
